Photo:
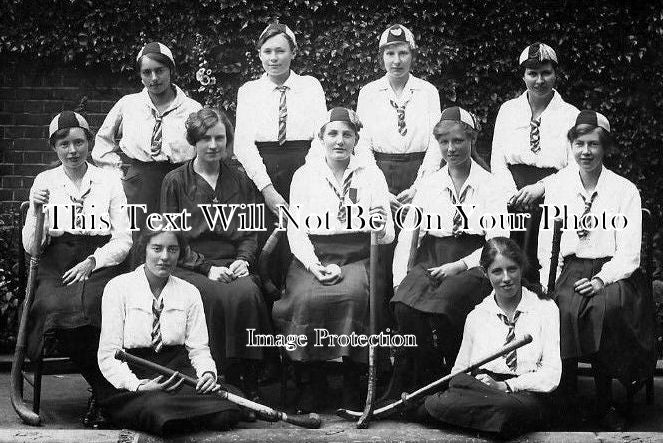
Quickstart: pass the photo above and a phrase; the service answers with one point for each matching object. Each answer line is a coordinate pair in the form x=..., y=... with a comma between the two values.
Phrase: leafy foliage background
x=610, y=52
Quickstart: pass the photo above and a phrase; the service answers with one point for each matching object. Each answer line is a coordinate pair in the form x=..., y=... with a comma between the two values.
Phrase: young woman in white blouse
x=444, y=282
x=277, y=117
x=327, y=283
x=156, y=316
x=606, y=308
x=150, y=128
x=529, y=142
x=86, y=239
x=506, y=396
x=399, y=112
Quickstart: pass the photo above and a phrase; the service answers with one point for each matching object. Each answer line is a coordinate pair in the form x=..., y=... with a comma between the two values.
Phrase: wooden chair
x=46, y=364
x=647, y=267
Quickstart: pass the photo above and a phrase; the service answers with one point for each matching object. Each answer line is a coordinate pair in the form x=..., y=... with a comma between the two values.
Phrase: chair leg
x=284, y=378
x=38, y=372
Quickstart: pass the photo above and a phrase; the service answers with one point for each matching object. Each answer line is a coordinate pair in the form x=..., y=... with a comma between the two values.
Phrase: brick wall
x=31, y=95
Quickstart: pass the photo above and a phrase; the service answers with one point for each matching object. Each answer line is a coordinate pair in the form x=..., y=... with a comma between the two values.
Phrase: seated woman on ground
x=508, y=395
x=327, y=283
x=154, y=315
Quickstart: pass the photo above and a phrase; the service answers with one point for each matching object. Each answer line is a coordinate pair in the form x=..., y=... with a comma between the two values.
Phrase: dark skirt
x=281, y=162
x=617, y=324
x=400, y=170
x=151, y=411
x=57, y=306
x=524, y=175
x=230, y=308
x=454, y=296
x=471, y=404
x=340, y=309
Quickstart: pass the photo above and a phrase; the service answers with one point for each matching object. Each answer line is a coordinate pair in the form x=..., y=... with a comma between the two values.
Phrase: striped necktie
x=511, y=360
x=156, y=142
x=400, y=111
x=456, y=230
x=582, y=233
x=78, y=208
x=283, y=114
x=534, y=135
x=157, y=307
x=342, y=210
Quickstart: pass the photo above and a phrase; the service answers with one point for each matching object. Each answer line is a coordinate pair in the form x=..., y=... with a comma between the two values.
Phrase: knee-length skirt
x=57, y=306
x=340, y=309
x=150, y=411
x=617, y=324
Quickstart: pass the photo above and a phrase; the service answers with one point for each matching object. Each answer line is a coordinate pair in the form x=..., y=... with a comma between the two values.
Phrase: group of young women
x=459, y=287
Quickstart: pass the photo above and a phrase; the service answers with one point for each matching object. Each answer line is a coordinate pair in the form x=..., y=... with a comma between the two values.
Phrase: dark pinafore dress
x=340, y=309
x=57, y=306
x=617, y=325
x=453, y=297
x=151, y=411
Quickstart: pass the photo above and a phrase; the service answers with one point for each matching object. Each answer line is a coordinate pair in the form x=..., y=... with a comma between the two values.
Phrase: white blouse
x=258, y=118
x=615, y=195
x=435, y=202
x=380, y=119
x=511, y=139
x=126, y=323
x=132, y=119
x=538, y=364
x=102, y=198
x=312, y=196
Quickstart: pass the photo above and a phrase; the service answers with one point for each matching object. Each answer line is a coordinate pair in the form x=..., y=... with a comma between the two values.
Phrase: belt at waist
x=150, y=164
x=405, y=157
x=289, y=144
x=68, y=237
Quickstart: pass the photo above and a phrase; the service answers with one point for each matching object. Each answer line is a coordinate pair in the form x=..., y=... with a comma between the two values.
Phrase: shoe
x=613, y=421
x=94, y=417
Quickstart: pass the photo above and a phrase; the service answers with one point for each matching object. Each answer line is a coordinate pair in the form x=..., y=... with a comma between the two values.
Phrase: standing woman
x=529, y=142
x=277, y=117
x=327, y=283
x=399, y=112
x=156, y=316
x=444, y=283
x=218, y=261
x=150, y=129
x=86, y=239
x=606, y=308
x=508, y=395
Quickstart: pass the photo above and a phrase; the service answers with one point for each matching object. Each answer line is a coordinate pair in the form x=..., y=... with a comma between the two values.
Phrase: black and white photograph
x=331, y=220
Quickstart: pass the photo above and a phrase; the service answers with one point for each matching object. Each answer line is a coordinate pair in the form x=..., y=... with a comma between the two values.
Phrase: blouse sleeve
x=546, y=377
x=465, y=351
x=104, y=152
x=300, y=244
x=196, y=338
x=498, y=165
x=112, y=338
x=244, y=145
x=627, y=241
x=117, y=248
x=403, y=245
x=247, y=245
